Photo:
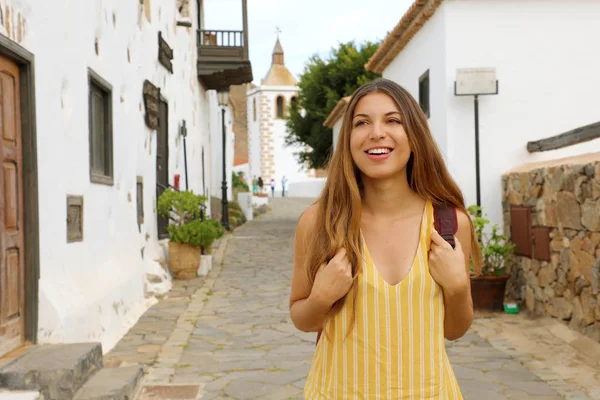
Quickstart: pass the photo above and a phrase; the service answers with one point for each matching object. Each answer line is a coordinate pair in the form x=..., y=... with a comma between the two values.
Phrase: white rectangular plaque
x=470, y=81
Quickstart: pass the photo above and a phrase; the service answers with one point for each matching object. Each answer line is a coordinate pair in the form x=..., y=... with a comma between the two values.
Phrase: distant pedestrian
x=283, y=184
x=272, y=187
x=254, y=185
x=260, y=184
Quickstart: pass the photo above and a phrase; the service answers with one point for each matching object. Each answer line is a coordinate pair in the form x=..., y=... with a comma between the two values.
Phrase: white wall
x=337, y=129
x=216, y=139
x=94, y=290
x=254, y=153
x=426, y=51
x=549, y=78
x=311, y=187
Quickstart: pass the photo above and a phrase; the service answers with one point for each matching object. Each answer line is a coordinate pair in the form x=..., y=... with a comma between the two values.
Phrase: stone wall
x=267, y=146
x=564, y=196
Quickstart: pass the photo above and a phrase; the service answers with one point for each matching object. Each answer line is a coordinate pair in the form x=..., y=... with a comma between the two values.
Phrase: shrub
x=238, y=183
x=496, y=250
x=180, y=206
x=184, y=210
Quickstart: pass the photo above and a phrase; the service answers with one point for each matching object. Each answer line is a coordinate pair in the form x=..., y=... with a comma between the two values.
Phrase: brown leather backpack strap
x=446, y=222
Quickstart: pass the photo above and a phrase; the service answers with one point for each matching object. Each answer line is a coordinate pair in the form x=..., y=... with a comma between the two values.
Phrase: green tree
x=322, y=84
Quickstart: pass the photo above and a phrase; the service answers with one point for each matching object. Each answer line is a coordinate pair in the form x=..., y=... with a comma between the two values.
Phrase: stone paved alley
x=229, y=336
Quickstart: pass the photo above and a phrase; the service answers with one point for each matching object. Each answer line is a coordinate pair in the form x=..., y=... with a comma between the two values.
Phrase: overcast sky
x=308, y=26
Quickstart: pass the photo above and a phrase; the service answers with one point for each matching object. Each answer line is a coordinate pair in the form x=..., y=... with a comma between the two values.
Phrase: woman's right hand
x=333, y=279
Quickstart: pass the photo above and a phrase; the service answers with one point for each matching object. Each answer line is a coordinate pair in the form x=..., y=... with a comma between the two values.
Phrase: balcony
x=223, y=56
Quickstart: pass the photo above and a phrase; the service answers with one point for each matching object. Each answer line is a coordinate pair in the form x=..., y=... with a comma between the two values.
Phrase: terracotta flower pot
x=184, y=260
x=488, y=292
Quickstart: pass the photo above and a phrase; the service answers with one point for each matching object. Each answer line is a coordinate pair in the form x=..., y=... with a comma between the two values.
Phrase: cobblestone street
x=229, y=336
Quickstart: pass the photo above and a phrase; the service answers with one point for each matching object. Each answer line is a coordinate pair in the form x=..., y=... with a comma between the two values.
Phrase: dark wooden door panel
x=162, y=161
x=12, y=274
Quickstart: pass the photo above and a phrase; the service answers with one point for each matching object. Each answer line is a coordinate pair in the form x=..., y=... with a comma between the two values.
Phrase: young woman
x=370, y=271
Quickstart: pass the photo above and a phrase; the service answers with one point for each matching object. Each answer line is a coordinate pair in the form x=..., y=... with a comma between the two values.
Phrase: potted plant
x=209, y=231
x=184, y=210
x=487, y=289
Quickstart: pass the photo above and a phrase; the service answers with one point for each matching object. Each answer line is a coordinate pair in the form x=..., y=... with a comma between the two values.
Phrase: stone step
x=58, y=371
x=19, y=395
x=112, y=384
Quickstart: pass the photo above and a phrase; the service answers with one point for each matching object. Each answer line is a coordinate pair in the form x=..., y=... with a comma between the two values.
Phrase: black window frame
x=424, y=93
x=97, y=85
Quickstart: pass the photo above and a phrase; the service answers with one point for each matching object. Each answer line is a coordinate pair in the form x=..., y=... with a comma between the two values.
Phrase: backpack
x=445, y=222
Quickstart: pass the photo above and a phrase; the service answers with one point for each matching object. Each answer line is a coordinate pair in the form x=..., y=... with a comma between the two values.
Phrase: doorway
x=19, y=234
x=162, y=162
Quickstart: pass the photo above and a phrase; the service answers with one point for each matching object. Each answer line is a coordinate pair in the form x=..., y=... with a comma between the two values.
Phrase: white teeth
x=378, y=151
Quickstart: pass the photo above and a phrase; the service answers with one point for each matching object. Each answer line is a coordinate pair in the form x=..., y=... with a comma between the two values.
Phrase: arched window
x=294, y=102
x=254, y=108
x=279, y=109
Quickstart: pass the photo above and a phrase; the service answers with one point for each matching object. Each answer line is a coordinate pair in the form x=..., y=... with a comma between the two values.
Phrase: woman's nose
x=377, y=131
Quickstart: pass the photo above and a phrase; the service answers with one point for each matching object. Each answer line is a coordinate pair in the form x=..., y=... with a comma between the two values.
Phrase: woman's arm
x=307, y=312
x=457, y=298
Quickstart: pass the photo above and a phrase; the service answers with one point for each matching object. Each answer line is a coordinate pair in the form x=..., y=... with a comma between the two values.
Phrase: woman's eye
x=394, y=121
x=360, y=123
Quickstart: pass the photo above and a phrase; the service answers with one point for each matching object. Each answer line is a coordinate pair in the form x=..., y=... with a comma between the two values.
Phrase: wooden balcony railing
x=221, y=38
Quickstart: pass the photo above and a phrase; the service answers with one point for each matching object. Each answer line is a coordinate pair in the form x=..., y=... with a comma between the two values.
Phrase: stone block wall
x=564, y=196
x=267, y=140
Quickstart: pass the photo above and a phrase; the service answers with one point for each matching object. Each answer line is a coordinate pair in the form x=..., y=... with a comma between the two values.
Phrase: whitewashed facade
x=546, y=68
x=335, y=120
x=216, y=146
x=93, y=289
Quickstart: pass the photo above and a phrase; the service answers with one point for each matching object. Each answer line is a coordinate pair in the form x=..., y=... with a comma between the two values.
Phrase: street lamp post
x=183, y=131
x=476, y=82
x=223, y=98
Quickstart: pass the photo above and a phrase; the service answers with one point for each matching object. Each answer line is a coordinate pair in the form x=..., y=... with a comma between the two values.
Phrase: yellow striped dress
x=396, y=348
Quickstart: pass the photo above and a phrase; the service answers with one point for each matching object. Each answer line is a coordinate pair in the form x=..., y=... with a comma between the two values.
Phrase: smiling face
x=378, y=142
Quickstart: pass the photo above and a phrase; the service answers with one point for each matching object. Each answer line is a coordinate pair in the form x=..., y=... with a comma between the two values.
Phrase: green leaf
x=496, y=249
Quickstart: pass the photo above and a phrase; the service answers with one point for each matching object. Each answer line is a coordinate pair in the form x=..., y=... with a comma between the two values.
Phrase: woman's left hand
x=447, y=265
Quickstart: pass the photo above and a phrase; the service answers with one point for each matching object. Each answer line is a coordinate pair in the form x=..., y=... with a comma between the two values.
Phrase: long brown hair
x=339, y=206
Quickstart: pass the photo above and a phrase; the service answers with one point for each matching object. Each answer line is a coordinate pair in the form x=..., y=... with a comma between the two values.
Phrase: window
x=139, y=189
x=100, y=124
x=279, y=107
x=254, y=108
x=74, y=219
x=424, y=93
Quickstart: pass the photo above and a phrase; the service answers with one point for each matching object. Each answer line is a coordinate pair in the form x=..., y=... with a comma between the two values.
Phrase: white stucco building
x=269, y=156
x=95, y=97
x=547, y=74
x=216, y=139
x=335, y=119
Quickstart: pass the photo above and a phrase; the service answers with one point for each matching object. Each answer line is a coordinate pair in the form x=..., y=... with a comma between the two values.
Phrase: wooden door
x=162, y=161
x=12, y=263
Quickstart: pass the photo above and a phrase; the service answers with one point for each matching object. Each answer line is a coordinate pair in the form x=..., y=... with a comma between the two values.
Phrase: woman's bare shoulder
x=308, y=218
